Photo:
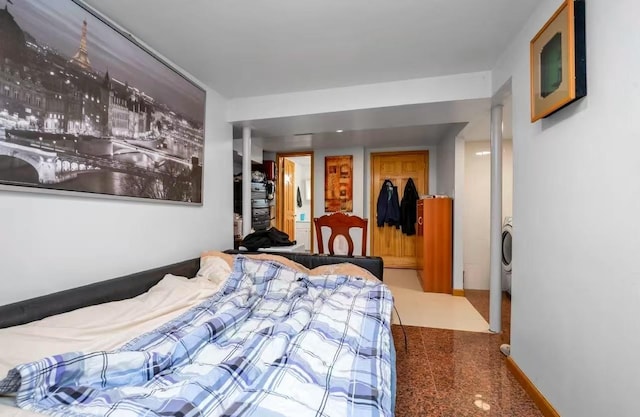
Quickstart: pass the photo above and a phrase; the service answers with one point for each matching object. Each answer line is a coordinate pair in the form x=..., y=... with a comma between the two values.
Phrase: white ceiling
x=398, y=126
x=247, y=48
x=428, y=135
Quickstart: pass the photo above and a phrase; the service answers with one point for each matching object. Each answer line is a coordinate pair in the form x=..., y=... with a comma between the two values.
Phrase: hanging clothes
x=388, y=205
x=408, y=207
x=299, y=198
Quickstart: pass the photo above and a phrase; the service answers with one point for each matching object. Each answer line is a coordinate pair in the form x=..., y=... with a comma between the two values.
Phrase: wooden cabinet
x=434, y=244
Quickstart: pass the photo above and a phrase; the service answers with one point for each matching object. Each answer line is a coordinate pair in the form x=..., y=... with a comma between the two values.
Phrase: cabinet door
x=303, y=236
x=438, y=245
x=420, y=237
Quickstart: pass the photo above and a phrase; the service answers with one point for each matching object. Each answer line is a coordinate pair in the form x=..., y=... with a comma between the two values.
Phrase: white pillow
x=215, y=269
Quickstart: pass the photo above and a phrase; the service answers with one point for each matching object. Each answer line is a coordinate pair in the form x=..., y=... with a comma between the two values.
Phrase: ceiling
x=399, y=126
x=248, y=48
x=427, y=135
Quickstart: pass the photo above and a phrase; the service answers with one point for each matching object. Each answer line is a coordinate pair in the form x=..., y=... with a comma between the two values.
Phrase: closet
x=262, y=194
x=434, y=244
x=260, y=205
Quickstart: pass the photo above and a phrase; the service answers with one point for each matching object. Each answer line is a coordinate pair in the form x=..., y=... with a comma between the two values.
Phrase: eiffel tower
x=81, y=57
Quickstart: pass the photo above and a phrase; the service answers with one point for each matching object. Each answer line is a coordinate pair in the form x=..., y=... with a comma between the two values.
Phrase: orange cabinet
x=434, y=244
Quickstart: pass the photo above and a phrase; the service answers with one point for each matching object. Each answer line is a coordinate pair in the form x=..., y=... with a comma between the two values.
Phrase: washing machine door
x=507, y=237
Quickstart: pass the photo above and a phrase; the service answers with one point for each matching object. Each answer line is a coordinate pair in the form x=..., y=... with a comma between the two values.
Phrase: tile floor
x=447, y=373
x=425, y=309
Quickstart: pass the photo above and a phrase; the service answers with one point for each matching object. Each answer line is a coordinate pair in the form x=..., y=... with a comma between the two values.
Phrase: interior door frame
x=280, y=157
x=373, y=193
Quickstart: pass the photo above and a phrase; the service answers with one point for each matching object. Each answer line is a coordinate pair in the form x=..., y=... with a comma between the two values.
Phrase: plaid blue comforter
x=272, y=342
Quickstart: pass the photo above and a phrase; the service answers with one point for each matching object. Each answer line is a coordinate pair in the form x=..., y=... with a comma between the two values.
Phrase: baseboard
x=545, y=406
x=458, y=293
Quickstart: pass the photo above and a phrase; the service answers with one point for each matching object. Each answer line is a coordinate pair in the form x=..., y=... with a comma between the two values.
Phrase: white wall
x=451, y=182
x=237, y=168
x=458, y=214
x=477, y=208
x=397, y=93
x=257, y=152
x=50, y=243
x=446, y=167
x=576, y=279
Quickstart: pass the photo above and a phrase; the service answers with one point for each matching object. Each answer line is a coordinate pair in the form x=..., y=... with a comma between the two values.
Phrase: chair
x=340, y=225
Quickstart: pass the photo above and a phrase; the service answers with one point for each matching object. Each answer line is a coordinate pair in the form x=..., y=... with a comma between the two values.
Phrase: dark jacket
x=266, y=239
x=388, y=205
x=408, y=215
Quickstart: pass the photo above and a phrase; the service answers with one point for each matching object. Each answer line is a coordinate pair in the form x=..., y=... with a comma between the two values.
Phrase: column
x=458, y=214
x=495, y=297
x=246, y=181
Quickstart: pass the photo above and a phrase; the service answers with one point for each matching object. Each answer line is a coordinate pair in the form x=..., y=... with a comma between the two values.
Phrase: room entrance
x=397, y=249
x=294, y=197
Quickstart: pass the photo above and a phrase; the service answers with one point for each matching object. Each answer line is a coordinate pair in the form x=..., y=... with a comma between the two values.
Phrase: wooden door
x=289, y=200
x=397, y=249
x=288, y=195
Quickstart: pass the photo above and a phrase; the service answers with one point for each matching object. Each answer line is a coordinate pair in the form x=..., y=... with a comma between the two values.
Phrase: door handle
x=420, y=221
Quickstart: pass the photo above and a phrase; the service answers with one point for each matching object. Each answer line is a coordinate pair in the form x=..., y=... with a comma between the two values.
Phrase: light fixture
x=339, y=131
x=483, y=153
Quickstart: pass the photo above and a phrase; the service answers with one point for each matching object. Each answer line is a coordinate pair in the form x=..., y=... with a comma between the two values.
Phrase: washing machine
x=507, y=237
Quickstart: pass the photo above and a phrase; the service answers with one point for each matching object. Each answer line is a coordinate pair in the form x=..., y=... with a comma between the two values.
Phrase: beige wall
x=476, y=215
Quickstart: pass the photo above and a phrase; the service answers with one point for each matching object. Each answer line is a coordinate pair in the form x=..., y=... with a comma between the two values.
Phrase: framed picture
x=558, y=61
x=338, y=183
x=86, y=109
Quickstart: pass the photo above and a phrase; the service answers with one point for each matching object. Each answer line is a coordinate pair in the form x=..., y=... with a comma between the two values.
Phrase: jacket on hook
x=388, y=205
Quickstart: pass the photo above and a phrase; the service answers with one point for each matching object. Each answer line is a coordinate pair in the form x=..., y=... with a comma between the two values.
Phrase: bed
x=244, y=335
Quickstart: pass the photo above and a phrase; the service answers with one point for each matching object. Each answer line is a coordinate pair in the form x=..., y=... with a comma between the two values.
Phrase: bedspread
x=271, y=342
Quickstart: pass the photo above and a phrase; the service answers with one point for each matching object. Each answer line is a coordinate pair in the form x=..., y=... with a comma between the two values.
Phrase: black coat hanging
x=408, y=215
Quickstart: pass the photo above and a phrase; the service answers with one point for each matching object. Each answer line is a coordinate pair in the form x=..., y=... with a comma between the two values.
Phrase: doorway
x=294, y=197
x=397, y=249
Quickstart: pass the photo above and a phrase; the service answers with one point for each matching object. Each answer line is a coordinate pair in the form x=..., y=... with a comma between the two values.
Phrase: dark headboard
x=135, y=284
x=373, y=264
x=101, y=292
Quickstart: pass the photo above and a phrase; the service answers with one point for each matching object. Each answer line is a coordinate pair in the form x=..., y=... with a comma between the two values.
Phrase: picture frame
x=338, y=184
x=558, y=61
x=88, y=110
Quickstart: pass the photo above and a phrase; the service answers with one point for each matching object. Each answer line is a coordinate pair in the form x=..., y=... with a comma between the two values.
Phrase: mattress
x=176, y=306
x=101, y=327
x=105, y=326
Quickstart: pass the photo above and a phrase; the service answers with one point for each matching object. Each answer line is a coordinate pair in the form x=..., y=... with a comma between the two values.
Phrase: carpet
x=440, y=311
